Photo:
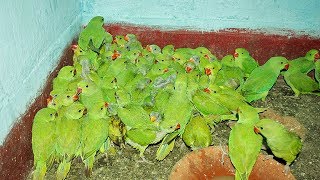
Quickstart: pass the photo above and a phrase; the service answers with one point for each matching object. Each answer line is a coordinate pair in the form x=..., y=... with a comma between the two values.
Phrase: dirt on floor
x=299, y=114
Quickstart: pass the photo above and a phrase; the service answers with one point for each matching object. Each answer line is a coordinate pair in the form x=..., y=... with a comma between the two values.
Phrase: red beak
x=115, y=55
x=106, y=104
x=207, y=90
x=49, y=99
x=235, y=55
x=126, y=38
x=256, y=130
x=178, y=126
x=286, y=67
x=207, y=56
x=317, y=56
x=148, y=48
x=207, y=71
x=75, y=97
x=74, y=47
x=188, y=69
x=165, y=70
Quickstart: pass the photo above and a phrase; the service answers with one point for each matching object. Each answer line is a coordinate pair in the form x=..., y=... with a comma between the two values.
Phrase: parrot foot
x=267, y=157
x=144, y=160
x=286, y=169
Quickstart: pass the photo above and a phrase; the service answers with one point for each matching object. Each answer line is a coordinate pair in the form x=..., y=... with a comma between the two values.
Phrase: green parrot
x=178, y=100
x=60, y=100
x=168, y=50
x=65, y=76
x=90, y=94
x=119, y=40
x=197, y=133
x=283, y=143
x=94, y=35
x=263, y=78
x=68, y=130
x=94, y=134
x=140, y=139
x=303, y=64
x=301, y=83
x=229, y=75
x=154, y=49
x=43, y=141
x=227, y=97
x=206, y=104
x=134, y=116
x=244, y=61
x=244, y=148
x=130, y=37
x=206, y=53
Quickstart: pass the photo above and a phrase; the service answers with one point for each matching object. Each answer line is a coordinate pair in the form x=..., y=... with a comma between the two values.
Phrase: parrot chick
x=197, y=133
x=94, y=134
x=283, y=143
x=43, y=141
x=244, y=148
x=245, y=61
x=68, y=130
x=64, y=77
x=94, y=35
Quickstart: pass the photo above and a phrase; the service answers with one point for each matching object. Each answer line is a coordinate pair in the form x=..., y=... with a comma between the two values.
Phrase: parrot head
x=312, y=55
x=86, y=87
x=240, y=52
x=228, y=60
x=278, y=63
x=265, y=127
x=75, y=111
x=67, y=98
x=99, y=110
x=46, y=114
x=130, y=37
x=96, y=21
x=153, y=48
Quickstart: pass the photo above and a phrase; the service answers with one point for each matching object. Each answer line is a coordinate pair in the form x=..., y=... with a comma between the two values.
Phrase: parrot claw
x=267, y=157
x=144, y=160
x=286, y=169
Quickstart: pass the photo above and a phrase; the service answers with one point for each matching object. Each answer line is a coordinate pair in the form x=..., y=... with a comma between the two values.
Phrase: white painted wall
x=208, y=15
x=33, y=34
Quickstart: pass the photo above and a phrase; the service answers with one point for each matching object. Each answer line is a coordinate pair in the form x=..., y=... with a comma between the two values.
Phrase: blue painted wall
x=33, y=35
x=207, y=15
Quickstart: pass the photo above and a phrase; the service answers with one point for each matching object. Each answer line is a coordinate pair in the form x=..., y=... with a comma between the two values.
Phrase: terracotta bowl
x=206, y=164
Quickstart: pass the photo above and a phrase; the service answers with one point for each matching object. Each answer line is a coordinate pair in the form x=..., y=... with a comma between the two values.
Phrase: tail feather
x=40, y=171
x=241, y=176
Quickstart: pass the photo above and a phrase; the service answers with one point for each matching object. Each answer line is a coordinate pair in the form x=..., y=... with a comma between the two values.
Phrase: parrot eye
x=281, y=62
x=241, y=53
x=87, y=86
x=120, y=38
x=261, y=128
x=71, y=71
x=101, y=108
x=79, y=110
x=68, y=96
